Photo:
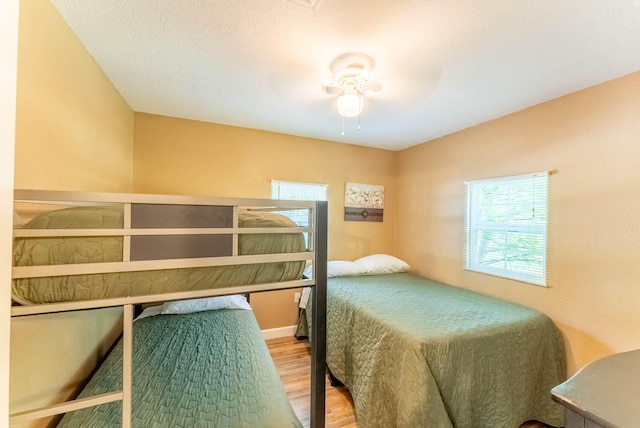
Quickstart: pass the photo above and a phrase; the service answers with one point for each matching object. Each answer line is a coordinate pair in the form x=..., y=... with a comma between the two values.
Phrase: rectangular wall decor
x=363, y=202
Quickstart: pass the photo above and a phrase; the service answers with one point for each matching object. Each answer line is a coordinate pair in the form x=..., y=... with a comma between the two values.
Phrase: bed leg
x=334, y=381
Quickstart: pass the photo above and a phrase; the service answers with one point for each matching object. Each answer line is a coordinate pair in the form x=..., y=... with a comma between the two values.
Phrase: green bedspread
x=418, y=353
x=53, y=251
x=206, y=369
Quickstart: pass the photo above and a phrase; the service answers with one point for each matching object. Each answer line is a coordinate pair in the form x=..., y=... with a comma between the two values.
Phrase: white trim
x=277, y=190
x=325, y=185
x=275, y=333
x=510, y=177
x=474, y=226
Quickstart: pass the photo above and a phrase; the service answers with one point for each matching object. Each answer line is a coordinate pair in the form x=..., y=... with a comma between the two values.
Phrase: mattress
x=416, y=352
x=205, y=369
x=53, y=251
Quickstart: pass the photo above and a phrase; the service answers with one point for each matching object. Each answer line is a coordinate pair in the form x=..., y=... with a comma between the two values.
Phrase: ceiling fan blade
x=370, y=87
x=333, y=90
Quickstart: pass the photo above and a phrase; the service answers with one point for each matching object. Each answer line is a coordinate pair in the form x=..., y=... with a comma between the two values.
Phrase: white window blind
x=298, y=191
x=506, y=227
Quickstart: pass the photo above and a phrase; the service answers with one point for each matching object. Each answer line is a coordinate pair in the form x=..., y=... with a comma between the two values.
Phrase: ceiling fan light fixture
x=350, y=104
x=350, y=82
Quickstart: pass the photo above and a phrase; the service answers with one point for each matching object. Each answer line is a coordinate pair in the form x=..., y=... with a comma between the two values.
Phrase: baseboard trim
x=274, y=333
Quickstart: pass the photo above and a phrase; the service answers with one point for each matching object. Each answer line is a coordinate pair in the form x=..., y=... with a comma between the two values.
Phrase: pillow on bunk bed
x=376, y=264
x=150, y=311
x=338, y=268
x=235, y=301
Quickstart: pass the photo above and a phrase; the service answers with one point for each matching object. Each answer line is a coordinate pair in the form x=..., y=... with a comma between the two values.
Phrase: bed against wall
x=94, y=250
x=417, y=352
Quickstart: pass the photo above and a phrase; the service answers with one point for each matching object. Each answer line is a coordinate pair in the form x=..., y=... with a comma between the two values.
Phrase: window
x=506, y=227
x=297, y=191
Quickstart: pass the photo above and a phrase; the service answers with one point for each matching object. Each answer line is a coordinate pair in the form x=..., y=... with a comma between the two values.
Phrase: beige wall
x=591, y=140
x=52, y=355
x=178, y=156
x=73, y=132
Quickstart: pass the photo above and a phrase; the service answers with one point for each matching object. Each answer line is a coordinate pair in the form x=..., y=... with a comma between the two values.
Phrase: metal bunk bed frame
x=317, y=252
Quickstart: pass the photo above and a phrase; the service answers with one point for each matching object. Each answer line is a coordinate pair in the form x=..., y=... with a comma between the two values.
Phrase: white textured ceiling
x=442, y=65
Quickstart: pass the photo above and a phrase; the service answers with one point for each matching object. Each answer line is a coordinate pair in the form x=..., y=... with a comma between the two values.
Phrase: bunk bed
x=83, y=251
x=181, y=364
x=417, y=352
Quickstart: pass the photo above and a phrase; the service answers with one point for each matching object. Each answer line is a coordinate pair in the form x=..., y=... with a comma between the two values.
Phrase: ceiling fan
x=351, y=81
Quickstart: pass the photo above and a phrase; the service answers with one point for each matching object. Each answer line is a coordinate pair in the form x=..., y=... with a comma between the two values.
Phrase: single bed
x=46, y=251
x=209, y=369
x=416, y=352
x=93, y=250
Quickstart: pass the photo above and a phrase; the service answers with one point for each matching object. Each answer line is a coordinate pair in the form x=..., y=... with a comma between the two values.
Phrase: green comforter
x=53, y=251
x=418, y=353
x=206, y=369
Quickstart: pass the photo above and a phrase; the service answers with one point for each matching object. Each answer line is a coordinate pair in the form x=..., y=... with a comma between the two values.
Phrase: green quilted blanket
x=418, y=353
x=206, y=369
x=53, y=251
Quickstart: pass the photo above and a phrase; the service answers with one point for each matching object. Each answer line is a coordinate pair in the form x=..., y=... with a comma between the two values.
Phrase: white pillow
x=235, y=301
x=151, y=311
x=382, y=263
x=339, y=268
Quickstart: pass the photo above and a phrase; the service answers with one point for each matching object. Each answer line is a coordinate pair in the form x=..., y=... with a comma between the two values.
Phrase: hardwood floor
x=292, y=359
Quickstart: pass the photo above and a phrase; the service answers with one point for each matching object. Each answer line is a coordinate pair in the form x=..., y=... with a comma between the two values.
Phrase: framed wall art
x=363, y=202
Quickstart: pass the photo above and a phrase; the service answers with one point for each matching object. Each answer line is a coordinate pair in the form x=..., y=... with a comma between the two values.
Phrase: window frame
x=286, y=213
x=521, y=229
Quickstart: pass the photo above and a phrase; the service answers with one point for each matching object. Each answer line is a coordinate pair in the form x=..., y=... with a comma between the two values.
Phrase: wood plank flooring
x=293, y=360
